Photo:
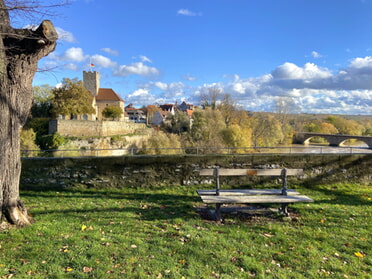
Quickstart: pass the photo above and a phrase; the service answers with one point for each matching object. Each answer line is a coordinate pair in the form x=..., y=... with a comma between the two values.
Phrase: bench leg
x=217, y=212
x=284, y=209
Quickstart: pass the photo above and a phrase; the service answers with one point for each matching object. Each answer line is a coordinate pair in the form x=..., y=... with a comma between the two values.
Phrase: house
x=102, y=97
x=160, y=117
x=134, y=114
x=169, y=108
x=184, y=107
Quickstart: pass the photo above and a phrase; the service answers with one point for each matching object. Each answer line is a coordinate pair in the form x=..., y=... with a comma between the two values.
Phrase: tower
x=91, y=82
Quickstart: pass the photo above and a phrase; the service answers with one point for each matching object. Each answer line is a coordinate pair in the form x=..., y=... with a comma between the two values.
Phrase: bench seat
x=254, y=199
x=246, y=192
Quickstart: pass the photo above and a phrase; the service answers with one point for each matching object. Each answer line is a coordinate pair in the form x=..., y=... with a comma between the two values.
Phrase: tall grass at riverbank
x=158, y=233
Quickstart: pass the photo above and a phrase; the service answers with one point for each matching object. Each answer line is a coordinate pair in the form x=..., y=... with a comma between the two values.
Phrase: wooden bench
x=283, y=196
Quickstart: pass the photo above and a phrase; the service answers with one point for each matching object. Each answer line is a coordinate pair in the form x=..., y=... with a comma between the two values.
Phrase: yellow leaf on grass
x=359, y=255
x=83, y=227
x=69, y=269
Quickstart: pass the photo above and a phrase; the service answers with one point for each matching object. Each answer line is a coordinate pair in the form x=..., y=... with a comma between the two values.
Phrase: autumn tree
x=346, y=126
x=367, y=124
x=162, y=143
x=150, y=112
x=206, y=128
x=72, y=99
x=179, y=123
x=266, y=130
x=112, y=112
x=20, y=51
x=227, y=107
x=284, y=107
x=210, y=98
x=320, y=127
x=42, y=103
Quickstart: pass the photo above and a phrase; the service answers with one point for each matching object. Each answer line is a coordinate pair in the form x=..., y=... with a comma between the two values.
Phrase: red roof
x=107, y=94
x=189, y=112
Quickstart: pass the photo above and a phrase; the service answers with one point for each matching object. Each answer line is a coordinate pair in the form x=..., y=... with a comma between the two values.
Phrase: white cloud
x=161, y=85
x=316, y=54
x=313, y=88
x=71, y=67
x=359, y=63
x=73, y=54
x=145, y=59
x=141, y=97
x=291, y=71
x=103, y=61
x=110, y=51
x=65, y=36
x=169, y=90
x=136, y=69
x=187, y=12
x=189, y=77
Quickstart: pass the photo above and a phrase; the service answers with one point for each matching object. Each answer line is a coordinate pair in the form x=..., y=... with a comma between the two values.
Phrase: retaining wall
x=86, y=128
x=145, y=171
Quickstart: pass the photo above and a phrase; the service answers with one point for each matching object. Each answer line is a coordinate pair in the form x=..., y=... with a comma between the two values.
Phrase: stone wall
x=146, y=171
x=84, y=128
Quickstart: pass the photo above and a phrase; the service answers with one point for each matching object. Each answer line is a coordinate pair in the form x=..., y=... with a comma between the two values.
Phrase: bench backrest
x=242, y=172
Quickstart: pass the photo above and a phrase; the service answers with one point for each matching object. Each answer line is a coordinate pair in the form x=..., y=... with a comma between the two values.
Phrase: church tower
x=91, y=82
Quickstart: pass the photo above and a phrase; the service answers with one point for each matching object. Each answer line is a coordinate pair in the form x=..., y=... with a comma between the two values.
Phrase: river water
x=356, y=148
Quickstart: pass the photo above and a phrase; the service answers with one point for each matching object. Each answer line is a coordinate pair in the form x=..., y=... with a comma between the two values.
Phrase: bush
x=51, y=142
x=112, y=112
x=28, y=146
x=40, y=126
x=162, y=143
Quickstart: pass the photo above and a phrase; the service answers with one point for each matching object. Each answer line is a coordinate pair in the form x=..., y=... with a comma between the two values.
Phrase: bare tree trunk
x=20, y=51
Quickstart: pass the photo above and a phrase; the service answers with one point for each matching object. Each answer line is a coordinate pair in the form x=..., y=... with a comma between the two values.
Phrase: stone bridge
x=333, y=139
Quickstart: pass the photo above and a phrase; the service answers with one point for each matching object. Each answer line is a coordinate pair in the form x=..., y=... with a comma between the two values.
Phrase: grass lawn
x=158, y=233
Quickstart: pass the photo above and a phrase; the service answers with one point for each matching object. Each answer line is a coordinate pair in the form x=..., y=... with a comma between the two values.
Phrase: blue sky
x=316, y=52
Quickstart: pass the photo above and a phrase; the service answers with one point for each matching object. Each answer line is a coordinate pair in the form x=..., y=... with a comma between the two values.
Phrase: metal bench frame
x=242, y=196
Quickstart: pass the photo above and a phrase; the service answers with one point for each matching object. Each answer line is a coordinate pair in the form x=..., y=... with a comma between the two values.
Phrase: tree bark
x=20, y=51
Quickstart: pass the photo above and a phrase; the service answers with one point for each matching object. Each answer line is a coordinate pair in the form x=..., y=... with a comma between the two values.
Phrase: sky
x=316, y=53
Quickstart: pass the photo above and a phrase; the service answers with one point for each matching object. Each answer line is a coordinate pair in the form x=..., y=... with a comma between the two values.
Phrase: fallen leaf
x=359, y=255
x=69, y=269
x=87, y=269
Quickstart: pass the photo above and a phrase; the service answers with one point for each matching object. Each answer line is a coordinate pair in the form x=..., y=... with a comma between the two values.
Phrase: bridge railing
x=194, y=151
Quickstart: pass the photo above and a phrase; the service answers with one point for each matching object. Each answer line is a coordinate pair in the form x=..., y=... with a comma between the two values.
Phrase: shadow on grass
x=334, y=183
x=145, y=206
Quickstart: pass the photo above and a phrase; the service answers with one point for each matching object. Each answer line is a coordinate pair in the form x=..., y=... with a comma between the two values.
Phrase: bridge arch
x=332, y=139
x=361, y=140
x=307, y=140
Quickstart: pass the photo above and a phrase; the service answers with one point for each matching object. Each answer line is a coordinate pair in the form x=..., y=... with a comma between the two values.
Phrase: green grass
x=157, y=233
